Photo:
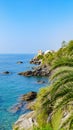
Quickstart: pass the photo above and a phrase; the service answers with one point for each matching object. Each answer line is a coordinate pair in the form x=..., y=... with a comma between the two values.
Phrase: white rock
x=25, y=121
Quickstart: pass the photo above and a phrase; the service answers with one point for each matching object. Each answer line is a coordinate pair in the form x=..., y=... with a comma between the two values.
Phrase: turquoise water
x=12, y=86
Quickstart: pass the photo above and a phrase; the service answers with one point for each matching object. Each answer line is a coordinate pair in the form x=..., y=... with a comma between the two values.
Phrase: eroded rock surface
x=26, y=121
x=37, y=71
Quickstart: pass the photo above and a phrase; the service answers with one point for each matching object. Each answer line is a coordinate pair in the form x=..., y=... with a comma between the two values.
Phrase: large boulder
x=29, y=96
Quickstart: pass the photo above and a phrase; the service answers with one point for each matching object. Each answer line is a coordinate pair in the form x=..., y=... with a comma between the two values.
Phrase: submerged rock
x=29, y=96
x=20, y=62
x=40, y=82
x=6, y=72
x=25, y=102
x=16, y=108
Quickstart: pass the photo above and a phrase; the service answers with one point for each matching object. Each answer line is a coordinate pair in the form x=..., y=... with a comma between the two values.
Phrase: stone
x=29, y=96
x=6, y=72
x=37, y=71
x=40, y=82
x=19, y=62
x=27, y=73
x=35, y=61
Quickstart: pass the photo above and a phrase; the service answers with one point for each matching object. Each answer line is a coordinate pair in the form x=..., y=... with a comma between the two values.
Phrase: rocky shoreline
x=25, y=102
x=39, y=70
x=42, y=70
x=27, y=120
x=35, y=61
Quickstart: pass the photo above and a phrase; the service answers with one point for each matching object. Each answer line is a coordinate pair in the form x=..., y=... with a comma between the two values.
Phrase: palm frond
x=64, y=61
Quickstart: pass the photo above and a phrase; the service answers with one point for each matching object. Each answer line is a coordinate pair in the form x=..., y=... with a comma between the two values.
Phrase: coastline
x=39, y=71
x=54, y=103
x=14, y=86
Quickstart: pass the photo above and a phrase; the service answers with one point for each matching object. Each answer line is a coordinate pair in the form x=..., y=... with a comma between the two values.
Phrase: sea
x=13, y=86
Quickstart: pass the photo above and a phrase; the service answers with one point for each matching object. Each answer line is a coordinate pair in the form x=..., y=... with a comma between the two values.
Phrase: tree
x=56, y=101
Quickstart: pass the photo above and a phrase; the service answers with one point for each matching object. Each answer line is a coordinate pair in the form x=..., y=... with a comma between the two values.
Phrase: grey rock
x=37, y=71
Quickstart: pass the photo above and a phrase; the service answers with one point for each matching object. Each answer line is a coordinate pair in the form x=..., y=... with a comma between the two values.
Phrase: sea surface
x=12, y=86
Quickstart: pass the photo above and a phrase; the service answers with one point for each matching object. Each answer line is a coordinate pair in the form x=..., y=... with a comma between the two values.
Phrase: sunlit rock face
x=26, y=121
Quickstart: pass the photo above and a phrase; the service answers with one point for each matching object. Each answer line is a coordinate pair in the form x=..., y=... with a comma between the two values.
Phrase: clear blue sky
x=29, y=25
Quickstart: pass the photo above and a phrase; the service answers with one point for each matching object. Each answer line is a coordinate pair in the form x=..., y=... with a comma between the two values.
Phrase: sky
x=27, y=26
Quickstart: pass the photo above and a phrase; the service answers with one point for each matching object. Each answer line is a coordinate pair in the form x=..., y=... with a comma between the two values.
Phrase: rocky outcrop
x=36, y=61
x=27, y=73
x=42, y=70
x=29, y=96
x=26, y=122
x=26, y=102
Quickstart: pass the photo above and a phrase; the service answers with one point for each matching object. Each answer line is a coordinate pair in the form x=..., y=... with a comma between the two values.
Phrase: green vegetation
x=46, y=127
x=54, y=103
x=40, y=57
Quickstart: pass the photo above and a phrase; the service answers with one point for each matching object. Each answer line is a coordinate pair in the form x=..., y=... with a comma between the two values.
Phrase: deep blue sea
x=12, y=86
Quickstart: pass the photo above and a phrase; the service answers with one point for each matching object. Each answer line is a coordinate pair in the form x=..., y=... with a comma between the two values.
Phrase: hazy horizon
x=30, y=25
